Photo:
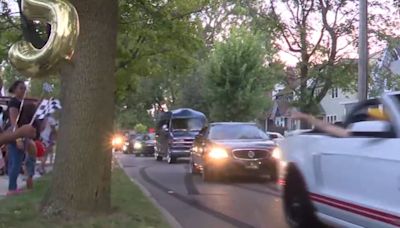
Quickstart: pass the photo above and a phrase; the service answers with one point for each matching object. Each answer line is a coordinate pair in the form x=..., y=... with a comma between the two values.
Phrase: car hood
x=244, y=144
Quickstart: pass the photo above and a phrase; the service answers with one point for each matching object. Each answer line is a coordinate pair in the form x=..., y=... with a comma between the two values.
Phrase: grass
x=133, y=209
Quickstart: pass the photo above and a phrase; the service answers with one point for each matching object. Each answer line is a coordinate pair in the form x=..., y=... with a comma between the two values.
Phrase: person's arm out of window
x=321, y=125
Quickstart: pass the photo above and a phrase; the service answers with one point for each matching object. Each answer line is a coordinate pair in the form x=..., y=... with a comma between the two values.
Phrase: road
x=195, y=204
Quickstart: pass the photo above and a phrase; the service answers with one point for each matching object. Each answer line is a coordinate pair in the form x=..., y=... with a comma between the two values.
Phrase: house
x=333, y=108
x=334, y=104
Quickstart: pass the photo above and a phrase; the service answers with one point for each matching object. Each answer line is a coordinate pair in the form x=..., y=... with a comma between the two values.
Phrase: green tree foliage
x=140, y=128
x=156, y=48
x=320, y=34
x=192, y=91
x=237, y=77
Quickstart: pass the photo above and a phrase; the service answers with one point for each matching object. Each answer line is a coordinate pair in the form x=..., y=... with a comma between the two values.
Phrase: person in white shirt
x=48, y=137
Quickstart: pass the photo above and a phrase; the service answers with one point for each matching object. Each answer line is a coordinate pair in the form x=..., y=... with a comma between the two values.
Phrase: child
x=40, y=154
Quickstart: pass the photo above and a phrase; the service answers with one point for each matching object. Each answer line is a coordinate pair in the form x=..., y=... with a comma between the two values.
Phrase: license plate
x=252, y=165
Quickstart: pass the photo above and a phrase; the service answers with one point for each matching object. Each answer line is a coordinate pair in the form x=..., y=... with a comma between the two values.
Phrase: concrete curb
x=168, y=216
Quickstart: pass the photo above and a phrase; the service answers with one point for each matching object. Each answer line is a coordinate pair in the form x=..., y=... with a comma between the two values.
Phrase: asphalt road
x=195, y=204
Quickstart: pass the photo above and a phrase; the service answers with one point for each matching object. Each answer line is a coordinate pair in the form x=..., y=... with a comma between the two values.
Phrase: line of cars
x=137, y=144
x=216, y=151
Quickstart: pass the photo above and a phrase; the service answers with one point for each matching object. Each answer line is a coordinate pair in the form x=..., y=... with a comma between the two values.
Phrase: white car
x=344, y=182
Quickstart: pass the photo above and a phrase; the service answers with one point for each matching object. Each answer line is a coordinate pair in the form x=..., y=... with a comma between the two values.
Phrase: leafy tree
x=237, y=77
x=193, y=90
x=156, y=46
x=140, y=128
x=320, y=34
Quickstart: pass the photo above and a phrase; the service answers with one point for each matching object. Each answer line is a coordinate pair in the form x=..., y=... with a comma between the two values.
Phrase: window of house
x=334, y=92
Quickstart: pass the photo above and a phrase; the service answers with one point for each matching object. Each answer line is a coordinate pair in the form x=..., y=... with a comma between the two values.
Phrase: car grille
x=182, y=144
x=251, y=154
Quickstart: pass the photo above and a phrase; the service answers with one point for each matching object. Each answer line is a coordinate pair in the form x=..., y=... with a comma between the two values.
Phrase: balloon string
x=20, y=111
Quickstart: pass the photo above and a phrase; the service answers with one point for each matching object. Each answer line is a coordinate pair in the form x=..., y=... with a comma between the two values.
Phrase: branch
x=282, y=30
x=318, y=42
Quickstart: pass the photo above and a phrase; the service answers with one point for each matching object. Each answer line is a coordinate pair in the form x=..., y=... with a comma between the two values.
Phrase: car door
x=359, y=180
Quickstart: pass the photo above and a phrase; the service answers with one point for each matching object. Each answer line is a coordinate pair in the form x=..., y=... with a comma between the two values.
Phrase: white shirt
x=50, y=123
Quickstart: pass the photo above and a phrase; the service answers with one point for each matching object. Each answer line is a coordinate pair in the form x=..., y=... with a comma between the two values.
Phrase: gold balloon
x=64, y=21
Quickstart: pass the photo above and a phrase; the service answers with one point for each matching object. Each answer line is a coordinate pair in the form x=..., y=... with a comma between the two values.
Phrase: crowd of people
x=24, y=142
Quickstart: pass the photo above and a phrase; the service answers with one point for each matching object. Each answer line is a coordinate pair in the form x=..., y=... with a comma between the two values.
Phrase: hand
x=26, y=131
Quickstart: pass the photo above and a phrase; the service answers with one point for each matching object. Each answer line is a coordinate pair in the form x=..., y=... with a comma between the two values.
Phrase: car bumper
x=145, y=150
x=180, y=153
x=260, y=167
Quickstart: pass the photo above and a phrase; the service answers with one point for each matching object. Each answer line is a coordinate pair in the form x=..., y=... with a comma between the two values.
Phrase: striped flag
x=47, y=107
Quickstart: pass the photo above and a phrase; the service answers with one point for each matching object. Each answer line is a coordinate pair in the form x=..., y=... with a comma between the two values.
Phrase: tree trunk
x=82, y=171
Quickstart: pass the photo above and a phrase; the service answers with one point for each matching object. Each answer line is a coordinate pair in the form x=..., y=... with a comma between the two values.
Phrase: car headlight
x=124, y=147
x=137, y=146
x=277, y=153
x=116, y=141
x=218, y=153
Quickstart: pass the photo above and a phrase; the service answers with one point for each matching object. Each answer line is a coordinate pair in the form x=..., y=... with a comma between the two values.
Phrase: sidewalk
x=21, y=183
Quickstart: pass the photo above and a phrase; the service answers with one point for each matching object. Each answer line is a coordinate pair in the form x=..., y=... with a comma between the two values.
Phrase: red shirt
x=39, y=148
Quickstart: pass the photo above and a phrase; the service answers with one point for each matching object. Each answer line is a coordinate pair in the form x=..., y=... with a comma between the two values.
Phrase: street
x=193, y=203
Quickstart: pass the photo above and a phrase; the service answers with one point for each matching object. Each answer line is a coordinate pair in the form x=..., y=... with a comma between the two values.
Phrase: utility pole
x=363, y=52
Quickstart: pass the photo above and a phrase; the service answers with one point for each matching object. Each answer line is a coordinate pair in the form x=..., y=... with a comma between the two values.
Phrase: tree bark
x=82, y=171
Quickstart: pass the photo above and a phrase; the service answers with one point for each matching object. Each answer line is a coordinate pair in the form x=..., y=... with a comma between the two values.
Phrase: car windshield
x=149, y=137
x=146, y=137
x=187, y=124
x=236, y=132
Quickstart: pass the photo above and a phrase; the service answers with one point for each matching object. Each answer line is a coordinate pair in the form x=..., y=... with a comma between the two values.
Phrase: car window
x=236, y=132
x=187, y=124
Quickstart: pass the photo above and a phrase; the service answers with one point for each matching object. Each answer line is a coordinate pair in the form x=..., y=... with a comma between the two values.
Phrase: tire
x=299, y=211
x=171, y=159
x=158, y=157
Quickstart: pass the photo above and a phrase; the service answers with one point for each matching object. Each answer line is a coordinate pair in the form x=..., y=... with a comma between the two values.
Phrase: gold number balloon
x=64, y=21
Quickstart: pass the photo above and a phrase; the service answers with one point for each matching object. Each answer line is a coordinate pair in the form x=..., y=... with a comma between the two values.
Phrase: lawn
x=133, y=209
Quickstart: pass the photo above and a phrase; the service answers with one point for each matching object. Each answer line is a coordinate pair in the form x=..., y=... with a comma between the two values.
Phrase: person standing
x=48, y=137
x=30, y=148
x=15, y=149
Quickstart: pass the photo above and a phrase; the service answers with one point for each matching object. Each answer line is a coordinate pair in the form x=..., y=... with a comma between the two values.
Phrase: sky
x=287, y=57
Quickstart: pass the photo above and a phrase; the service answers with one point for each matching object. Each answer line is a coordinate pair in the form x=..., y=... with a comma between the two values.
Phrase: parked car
x=345, y=182
x=175, y=133
x=144, y=145
x=225, y=149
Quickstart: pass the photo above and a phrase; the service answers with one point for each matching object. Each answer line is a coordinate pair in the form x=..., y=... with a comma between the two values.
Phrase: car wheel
x=171, y=159
x=297, y=205
x=158, y=157
x=192, y=168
